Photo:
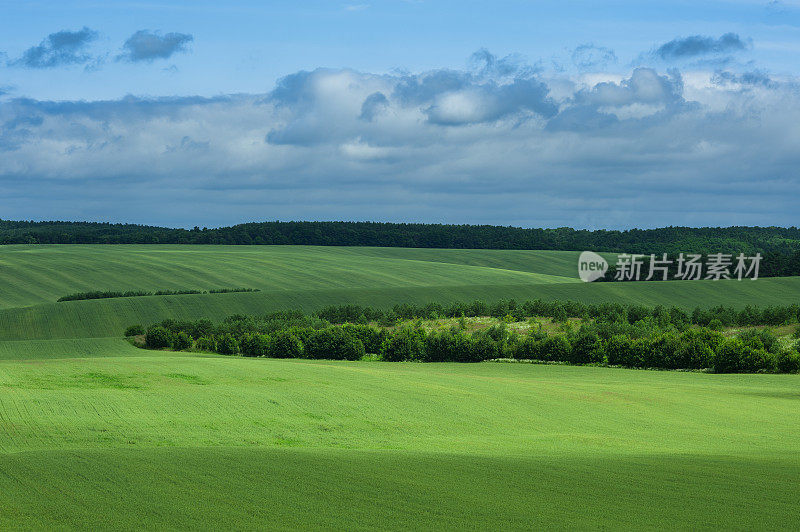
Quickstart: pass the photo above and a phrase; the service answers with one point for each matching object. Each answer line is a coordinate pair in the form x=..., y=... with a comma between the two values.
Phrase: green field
x=95, y=433
x=32, y=278
x=182, y=441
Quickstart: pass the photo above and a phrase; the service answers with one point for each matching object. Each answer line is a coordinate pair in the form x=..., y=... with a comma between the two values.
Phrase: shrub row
x=136, y=293
x=595, y=343
x=562, y=310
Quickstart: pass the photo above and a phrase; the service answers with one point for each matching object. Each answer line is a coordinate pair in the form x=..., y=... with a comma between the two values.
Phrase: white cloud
x=648, y=148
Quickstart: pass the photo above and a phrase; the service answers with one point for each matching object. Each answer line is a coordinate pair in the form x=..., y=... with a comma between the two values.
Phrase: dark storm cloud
x=61, y=48
x=146, y=45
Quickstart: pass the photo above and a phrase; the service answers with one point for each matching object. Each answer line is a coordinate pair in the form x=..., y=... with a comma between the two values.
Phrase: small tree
x=227, y=345
x=182, y=342
x=788, y=361
x=587, y=349
x=159, y=337
x=406, y=344
x=283, y=344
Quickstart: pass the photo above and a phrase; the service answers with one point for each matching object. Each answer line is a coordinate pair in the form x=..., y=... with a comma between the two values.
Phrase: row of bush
x=562, y=310
x=639, y=345
x=104, y=294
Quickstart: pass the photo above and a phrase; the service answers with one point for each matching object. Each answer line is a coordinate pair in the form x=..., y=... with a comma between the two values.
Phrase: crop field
x=215, y=442
x=95, y=433
x=32, y=278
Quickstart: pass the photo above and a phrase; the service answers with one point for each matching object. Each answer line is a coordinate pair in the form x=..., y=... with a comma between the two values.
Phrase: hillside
x=253, y=444
x=160, y=439
x=32, y=278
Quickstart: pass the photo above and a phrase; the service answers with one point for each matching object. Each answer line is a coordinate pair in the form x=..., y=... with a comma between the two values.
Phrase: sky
x=592, y=115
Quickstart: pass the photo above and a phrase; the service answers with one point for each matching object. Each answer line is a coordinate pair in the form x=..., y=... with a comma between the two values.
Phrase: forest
x=672, y=240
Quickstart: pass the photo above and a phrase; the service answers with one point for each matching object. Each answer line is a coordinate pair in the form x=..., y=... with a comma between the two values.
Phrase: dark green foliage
x=227, y=344
x=620, y=350
x=760, y=339
x=447, y=346
x=778, y=245
x=206, y=343
x=587, y=349
x=696, y=348
x=638, y=337
x=554, y=349
x=788, y=361
x=371, y=337
x=158, y=337
x=134, y=330
x=734, y=356
x=404, y=344
x=255, y=345
x=106, y=294
x=284, y=344
x=334, y=343
x=182, y=342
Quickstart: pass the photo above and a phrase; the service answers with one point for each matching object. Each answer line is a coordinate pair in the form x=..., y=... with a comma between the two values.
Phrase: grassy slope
x=32, y=277
x=41, y=274
x=138, y=441
x=127, y=439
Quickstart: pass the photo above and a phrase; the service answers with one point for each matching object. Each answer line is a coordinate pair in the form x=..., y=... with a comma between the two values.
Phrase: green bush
x=587, y=349
x=446, y=346
x=371, y=337
x=404, y=344
x=619, y=350
x=693, y=352
x=481, y=347
x=255, y=345
x=227, y=345
x=134, y=330
x=284, y=344
x=661, y=352
x=158, y=337
x=715, y=325
x=206, y=343
x=526, y=349
x=736, y=357
x=788, y=361
x=334, y=343
x=182, y=342
x=760, y=339
x=554, y=349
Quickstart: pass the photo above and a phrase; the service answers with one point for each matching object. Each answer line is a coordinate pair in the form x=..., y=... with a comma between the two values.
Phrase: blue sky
x=626, y=114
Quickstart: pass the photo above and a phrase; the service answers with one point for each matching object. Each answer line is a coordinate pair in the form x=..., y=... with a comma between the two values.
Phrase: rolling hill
x=32, y=278
x=95, y=433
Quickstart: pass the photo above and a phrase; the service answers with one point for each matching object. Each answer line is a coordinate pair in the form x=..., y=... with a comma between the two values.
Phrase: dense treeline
x=610, y=334
x=749, y=240
x=561, y=310
x=105, y=294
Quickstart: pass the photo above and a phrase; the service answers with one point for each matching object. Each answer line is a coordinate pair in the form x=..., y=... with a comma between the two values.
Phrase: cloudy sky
x=528, y=113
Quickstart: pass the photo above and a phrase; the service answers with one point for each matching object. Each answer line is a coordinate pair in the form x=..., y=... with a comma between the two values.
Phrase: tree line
x=609, y=334
x=105, y=294
x=673, y=240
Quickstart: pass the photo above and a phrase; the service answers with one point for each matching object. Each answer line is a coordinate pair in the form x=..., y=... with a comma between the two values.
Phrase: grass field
x=95, y=433
x=138, y=441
